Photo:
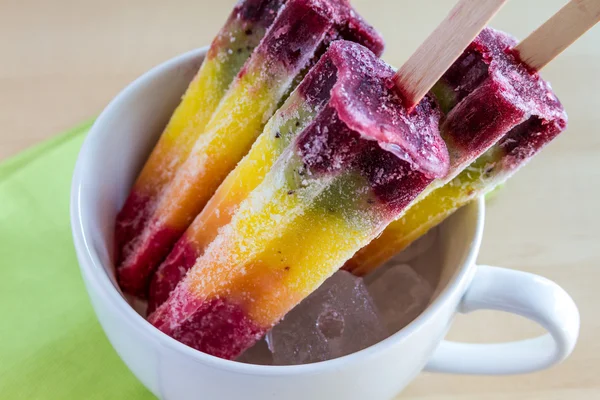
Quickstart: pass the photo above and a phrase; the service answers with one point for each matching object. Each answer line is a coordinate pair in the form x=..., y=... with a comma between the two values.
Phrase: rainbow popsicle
x=478, y=94
x=233, y=45
x=478, y=85
x=360, y=162
x=543, y=118
x=302, y=29
x=298, y=110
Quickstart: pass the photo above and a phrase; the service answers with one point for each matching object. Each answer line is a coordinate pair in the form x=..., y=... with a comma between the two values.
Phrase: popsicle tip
x=364, y=88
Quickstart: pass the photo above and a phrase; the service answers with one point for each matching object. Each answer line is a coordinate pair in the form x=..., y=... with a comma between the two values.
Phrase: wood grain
x=445, y=44
x=63, y=60
x=559, y=32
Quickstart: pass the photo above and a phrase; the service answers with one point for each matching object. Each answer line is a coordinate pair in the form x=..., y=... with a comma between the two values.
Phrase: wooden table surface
x=63, y=60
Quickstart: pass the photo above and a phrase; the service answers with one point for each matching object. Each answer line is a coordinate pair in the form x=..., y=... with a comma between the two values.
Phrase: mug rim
x=92, y=268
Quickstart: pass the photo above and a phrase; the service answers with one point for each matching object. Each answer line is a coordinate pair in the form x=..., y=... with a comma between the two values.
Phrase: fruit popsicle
x=301, y=30
x=360, y=162
x=543, y=117
x=233, y=45
x=298, y=110
x=479, y=96
x=468, y=131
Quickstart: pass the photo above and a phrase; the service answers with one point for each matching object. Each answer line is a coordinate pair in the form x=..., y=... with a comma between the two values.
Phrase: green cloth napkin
x=51, y=345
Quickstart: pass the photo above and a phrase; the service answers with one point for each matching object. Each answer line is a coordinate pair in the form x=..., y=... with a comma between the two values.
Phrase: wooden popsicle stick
x=447, y=42
x=560, y=31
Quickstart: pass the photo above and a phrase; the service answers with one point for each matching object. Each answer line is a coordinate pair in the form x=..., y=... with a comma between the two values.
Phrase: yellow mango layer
x=250, y=171
x=193, y=113
x=276, y=252
x=422, y=216
x=228, y=136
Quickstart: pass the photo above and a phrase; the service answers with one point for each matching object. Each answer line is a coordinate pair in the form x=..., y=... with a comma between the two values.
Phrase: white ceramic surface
x=110, y=158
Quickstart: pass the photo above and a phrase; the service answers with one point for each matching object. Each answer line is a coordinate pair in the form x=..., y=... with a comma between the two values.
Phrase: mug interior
x=123, y=136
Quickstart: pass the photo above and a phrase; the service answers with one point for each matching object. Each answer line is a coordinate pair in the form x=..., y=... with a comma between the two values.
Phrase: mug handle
x=524, y=294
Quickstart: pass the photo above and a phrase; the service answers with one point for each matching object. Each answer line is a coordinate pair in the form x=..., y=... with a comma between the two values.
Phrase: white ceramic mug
x=111, y=156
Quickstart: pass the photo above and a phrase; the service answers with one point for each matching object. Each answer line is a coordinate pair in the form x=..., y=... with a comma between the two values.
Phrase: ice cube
x=400, y=295
x=339, y=318
x=259, y=354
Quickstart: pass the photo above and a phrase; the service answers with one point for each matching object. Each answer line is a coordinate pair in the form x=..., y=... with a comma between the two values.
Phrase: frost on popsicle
x=301, y=29
x=298, y=110
x=351, y=171
x=243, y=30
x=537, y=117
